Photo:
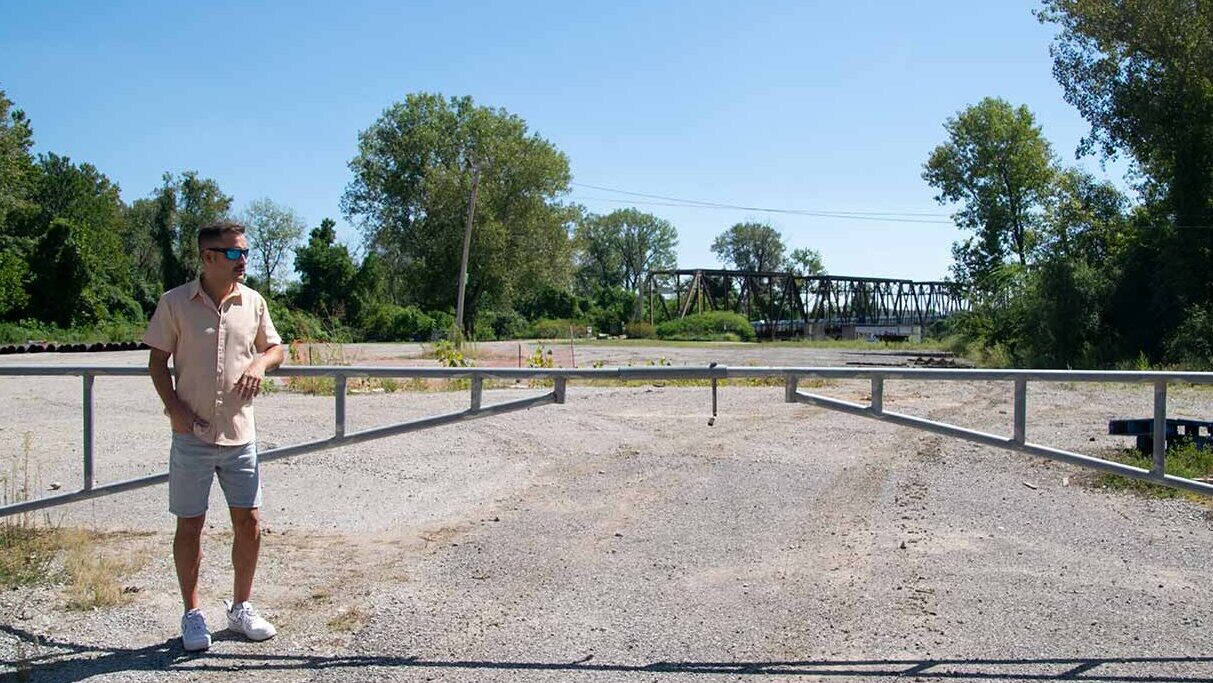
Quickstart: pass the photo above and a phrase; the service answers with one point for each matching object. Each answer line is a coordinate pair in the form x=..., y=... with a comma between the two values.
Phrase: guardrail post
x=559, y=391
x=339, y=406
x=1021, y=411
x=477, y=391
x=88, y=432
x=789, y=388
x=877, y=395
x=1160, y=429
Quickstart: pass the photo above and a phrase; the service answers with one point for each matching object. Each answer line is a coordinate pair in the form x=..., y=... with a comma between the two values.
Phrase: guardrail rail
x=560, y=377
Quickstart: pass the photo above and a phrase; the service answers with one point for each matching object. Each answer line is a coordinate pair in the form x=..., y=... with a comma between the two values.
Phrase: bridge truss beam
x=789, y=303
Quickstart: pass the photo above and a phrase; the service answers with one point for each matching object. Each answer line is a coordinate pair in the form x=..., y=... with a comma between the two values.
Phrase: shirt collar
x=196, y=290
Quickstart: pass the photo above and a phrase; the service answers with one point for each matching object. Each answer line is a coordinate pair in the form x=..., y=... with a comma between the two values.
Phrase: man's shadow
x=75, y=662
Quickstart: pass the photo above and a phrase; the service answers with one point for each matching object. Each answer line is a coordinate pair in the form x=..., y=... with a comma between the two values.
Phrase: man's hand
x=250, y=382
x=184, y=419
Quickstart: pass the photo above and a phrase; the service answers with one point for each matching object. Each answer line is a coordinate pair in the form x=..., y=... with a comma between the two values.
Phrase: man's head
x=217, y=244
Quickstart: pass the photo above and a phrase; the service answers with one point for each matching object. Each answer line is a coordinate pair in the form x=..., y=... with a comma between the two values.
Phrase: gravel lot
x=618, y=537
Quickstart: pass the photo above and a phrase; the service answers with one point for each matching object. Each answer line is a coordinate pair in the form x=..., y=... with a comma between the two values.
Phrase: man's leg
x=246, y=544
x=187, y=556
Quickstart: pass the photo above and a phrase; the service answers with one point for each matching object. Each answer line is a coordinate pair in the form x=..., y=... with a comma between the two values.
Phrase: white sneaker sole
x=197, y=648
x=255, y=639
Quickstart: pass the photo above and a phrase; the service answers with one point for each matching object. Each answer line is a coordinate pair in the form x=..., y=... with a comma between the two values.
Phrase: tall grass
x=29, y=549
x=1185, y=461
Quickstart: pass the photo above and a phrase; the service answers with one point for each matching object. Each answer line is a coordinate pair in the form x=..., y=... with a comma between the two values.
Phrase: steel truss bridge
x=789, y=304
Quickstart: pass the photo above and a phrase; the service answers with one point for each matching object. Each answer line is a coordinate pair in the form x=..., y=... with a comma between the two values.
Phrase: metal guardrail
x=560, y=377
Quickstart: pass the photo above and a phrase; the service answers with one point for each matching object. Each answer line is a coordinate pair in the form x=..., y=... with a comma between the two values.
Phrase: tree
x=1139, y=71
x=326, y=272
x=183, y=205
x=599, y=263
x=17, y=171
x=750, y=246
x=272, y=231
x=805, y=261
x=412, y=179
x=997, y=164
x=138, y=225
x=1084, y=218
x=616, y=250
x=62, y=276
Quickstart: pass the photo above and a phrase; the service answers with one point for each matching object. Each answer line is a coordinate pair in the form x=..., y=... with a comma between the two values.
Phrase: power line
x=822, y=214
x=880, y=216
x=677, y=201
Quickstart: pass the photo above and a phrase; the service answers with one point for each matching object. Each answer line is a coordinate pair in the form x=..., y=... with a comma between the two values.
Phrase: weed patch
x=1185, y=461
x=94, y=578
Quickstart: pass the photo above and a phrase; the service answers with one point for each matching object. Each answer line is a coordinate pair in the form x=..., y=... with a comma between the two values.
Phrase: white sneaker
x=243, y=618
x=194, y=635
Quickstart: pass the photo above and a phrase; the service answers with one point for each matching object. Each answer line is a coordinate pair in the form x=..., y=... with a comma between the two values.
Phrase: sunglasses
x=230, y=253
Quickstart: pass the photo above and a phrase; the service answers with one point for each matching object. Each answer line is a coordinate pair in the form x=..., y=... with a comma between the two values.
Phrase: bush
x=549, y=302
x=389, y=322
x=611, y=309
x=444, y=324
x=293, y=324
x=713, y=326
x=27, y=330
x=1191, y=344
x=640, y=330
x=505, y=324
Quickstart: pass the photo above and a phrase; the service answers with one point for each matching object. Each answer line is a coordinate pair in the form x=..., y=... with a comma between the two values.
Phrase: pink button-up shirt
x=211, y=347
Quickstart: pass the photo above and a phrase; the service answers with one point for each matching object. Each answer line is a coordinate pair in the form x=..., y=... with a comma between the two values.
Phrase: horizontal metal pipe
x=287, y=451
x=96, y=491
x=1005, y=443
x=662, y=372
x=403, y=427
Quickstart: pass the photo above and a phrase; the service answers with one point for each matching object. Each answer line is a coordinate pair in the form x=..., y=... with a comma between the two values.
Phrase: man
x=214, y=328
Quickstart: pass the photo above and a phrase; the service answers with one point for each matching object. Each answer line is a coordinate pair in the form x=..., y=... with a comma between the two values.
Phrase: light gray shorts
x=192, y=465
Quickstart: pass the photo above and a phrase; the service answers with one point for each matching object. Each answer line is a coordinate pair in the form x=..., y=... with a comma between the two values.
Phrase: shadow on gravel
x=73, y=662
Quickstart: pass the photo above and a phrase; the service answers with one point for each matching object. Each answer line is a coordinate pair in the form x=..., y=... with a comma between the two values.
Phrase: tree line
x=1066, y=270
x=75, y=255
x=1063, y=269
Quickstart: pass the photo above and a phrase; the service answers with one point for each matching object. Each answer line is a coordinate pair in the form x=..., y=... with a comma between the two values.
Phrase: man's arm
x=182, y=418
x=250, y=382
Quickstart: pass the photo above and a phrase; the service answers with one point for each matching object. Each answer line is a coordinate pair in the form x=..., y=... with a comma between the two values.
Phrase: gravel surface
x=618, y=537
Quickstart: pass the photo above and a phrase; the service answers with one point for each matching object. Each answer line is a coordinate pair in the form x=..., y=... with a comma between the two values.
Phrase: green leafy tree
x=805, y=261
x=1084, y=218
x=413, y=176
x=599, y=262
x=272, y=231
x=998, y=166
x=85, y=197
x=183, y=205
x=616, y=250
x=14, y=279
x=143, y=252
x=750, y=246
x=17, y=173
x=62, y=278
x=326, y=272
x=1140, y=72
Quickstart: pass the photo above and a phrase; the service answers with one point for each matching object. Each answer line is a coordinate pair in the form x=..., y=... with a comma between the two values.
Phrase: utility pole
x=467, y=245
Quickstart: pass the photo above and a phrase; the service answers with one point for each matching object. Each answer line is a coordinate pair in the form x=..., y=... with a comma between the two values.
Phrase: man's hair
x=212, y=234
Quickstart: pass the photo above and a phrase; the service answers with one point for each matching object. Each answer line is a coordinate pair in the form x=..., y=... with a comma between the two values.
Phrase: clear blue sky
x=819, y=106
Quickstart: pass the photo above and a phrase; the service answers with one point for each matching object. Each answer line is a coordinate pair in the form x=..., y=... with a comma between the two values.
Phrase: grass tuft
x=94, y=580
x=1185, y=461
